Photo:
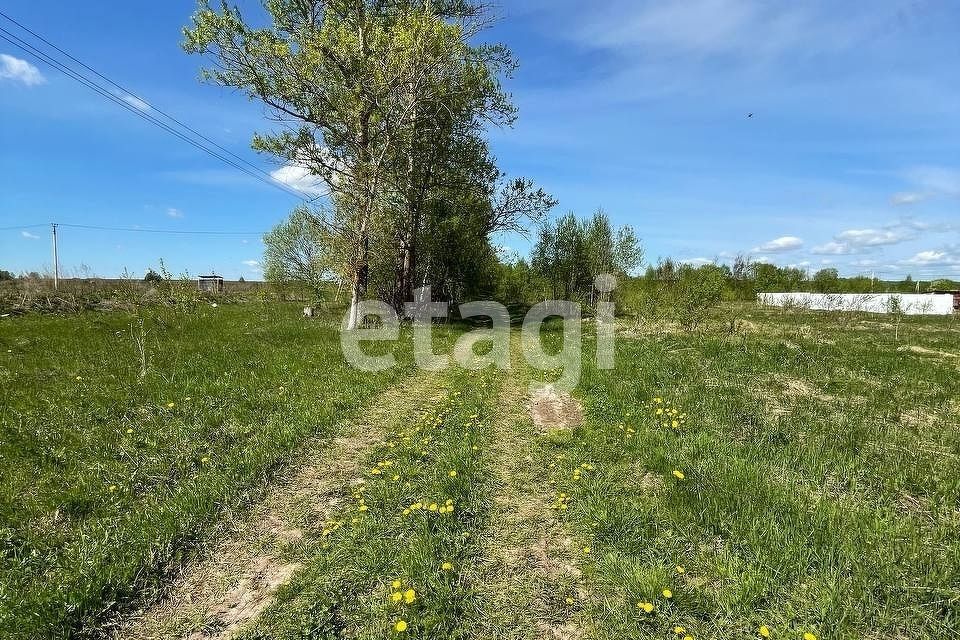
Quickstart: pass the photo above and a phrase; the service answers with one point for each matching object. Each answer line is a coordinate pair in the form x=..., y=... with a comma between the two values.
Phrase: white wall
x=911, y=303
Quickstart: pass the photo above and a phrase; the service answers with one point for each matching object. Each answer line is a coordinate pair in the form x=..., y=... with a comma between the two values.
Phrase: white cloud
x=939, y=180
x=695, y=262
x=933, y=257
x=20, y=71
x=28, y=235
x=253, y=265
x=751, y=30
x=299, y=177
x=778, y=245
x=134, y=102
x=174, y=213
x=906, y=197
x=874, y=237
x=833, y=249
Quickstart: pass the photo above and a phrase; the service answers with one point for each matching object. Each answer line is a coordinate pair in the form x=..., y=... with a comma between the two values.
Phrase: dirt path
x=236, y=579
x=528, y=567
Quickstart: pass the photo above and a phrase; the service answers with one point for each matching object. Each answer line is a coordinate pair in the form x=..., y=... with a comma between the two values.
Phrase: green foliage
x=826, y=281
x=570, y=253
x=152, y=276
x=695, y=293
x=299, y=249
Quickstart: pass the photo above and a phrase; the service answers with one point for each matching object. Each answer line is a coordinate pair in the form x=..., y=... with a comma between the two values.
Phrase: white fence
x=909, y=303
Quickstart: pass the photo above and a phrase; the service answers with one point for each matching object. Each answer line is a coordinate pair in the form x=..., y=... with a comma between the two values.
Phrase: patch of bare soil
x=923, y=351
x=528, y=566
x=552, y=409
x=236, y=578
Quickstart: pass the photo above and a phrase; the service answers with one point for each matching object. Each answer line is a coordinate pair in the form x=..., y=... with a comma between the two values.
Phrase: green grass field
x=776, y=473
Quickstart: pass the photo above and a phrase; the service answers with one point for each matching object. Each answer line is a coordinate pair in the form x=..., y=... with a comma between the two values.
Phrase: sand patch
x=553, y=409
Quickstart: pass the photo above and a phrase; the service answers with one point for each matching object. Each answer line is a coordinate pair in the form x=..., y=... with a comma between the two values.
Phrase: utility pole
x=56, y=263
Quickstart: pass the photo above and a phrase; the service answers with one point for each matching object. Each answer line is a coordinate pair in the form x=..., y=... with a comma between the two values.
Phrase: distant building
x=210, y=284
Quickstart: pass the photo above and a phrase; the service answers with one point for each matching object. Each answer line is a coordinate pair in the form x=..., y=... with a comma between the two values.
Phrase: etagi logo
x=568, y=360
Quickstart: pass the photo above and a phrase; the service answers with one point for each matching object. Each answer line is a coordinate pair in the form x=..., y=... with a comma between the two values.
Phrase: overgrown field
x=785, y=475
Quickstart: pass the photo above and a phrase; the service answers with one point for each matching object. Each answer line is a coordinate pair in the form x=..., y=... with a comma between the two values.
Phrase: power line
x=17, y=227
x=251, y=169
x=172, y=231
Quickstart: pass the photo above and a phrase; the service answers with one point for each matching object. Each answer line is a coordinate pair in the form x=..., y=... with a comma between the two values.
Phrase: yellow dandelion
x=395, y=584
x=433, y=506
x=129, y=431
x=678, y=474
x=112, y=488
x=400, y=626
x=569, y=600
x=687, y=637
x=362, y=507
x=586, y=549
x=396, y=596
x=764, y=631
x=647, y=607
x=453, y=473
x=446, y=566
x=680, y=568
x=204, y=459
x=171, y=405
x=409, y=596
x=667, y=594
x=679, y=630
x=809, y=636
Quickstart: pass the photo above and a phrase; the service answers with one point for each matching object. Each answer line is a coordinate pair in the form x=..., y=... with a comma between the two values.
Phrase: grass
x=818, y=484
x=819, y=491
x=113, y=464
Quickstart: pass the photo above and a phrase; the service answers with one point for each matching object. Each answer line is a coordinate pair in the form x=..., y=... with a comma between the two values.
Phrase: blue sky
x=851, y=158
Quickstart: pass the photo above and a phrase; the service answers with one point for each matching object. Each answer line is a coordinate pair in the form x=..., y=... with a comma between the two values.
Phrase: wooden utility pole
x=56, y=263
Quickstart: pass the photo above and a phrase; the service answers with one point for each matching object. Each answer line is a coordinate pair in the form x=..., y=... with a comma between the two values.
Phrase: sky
x=813, y=134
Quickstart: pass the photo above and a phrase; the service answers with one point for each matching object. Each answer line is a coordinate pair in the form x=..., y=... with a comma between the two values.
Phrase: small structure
x=210, y=284
x=953, y=292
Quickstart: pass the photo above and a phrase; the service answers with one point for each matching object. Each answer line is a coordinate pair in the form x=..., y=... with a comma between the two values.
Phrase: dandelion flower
x=586, y=549
x=396, y=596
x=112, y=488
x=646, y=606
x=678, y=474
x=409, y=596
x=667, y=594
x=362, y=507
x=395, y=584
x=569, y=600
x=680, y=568
x=446, y=566
x=171, y=405
x=453, y=473
x=809, y=636
x=400, y=626
x=764, y=631
x=433, y=506
x=679, y=630
x=204, y=459
x=129, y=431
x=687, y=637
